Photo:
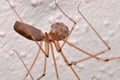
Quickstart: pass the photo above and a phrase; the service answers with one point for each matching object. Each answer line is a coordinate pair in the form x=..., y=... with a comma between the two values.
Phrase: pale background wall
x=104, y=15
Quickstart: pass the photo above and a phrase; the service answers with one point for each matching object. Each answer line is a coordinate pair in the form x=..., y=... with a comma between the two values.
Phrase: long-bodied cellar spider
x=59, y=32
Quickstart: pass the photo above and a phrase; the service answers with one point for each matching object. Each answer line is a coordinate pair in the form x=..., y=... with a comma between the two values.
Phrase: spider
x=59, y=32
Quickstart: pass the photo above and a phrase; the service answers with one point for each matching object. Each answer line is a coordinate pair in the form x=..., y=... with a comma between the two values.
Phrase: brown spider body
x=58, y=31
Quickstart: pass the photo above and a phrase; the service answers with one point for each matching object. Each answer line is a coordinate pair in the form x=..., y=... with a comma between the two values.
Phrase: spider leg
x=28, y=29
x=65, y=59
x=55, y=64
x=47, y=44
x=23, y=63
x=90, y=55
x=85, y=52
x=107, y=46
x=78, y=61
x=34, y=61
x=47, y=52
x=12, y=7
x=44, y=71
x=74, y=23
x=92, y=27
x=113, y=58
x=101, y=39
x=30, y=34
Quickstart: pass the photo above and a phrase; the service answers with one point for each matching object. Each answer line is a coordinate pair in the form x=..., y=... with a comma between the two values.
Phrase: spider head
x=59, y=31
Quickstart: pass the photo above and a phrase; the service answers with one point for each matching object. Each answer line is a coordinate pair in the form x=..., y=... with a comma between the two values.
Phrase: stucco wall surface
x=103, y=15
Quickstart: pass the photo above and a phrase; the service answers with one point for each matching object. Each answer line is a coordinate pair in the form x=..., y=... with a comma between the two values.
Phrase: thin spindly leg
x=65, y=59
x=28, y=29
x=85, y=52
x=41, y=49
x=113, y=58
x=34, y=61
x=45, y=61
x=106, y=45
x=108, y=48
x=47, y=44
x=78, y=61
x=55, y=64
x=74, y=23
x=18, y=17
x=12, y=7
x=92, y=27
x=44, y=72
x=23, y=63
x=100, y=59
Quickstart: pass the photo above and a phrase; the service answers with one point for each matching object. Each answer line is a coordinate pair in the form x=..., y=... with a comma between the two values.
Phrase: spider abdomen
x=28, y=31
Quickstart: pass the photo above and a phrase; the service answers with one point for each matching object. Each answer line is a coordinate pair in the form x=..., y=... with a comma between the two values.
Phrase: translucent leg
x=74, y=23
x=23, y=63
x=55, y=64
x=33, y=63
x=44, y=72
x=65, y=59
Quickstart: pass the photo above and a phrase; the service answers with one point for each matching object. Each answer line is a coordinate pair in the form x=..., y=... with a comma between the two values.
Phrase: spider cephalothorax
x=59, y=31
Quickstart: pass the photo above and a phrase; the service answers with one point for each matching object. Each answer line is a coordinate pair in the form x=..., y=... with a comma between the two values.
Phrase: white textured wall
x=104, y=15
